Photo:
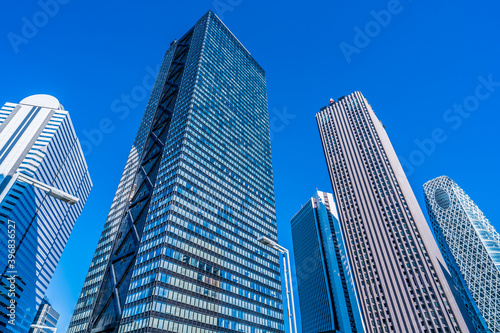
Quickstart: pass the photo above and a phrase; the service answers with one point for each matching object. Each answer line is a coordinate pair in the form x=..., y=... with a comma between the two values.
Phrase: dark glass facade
x=327, y=294
x=179, y=251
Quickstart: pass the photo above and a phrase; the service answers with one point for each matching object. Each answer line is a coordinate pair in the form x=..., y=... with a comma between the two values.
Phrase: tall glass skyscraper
x=471, y=248
x=328, y=299
x=179, y=250
x=44, y=183
x=399, y=272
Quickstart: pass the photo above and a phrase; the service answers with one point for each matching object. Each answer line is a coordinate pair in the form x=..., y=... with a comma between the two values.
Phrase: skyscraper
x=328, y=299
x=471, y=248
x=179, y=250
x=44, y=183
x=46, y=316
x=399, y=272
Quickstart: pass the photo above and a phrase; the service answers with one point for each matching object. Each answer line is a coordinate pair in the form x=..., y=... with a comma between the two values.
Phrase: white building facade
x=44, y=184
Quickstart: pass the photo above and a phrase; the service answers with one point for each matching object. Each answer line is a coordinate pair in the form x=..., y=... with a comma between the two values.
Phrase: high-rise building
x=471, y=248
x=328, y=299
x=179, y=250
x=44, y=184
x=398, y=270
x=46, y=318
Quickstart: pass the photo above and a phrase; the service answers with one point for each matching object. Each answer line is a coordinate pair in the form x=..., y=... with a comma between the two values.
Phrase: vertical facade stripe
x=399, y=272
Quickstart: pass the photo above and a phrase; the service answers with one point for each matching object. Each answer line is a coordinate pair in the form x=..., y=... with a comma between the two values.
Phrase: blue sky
x=420, y=64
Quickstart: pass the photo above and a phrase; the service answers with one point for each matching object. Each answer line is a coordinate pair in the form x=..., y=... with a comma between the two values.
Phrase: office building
x=471, y=248
x=179, y=249
x=328, y=299
x=46, y=318
x=44, y=183
x=398, y=270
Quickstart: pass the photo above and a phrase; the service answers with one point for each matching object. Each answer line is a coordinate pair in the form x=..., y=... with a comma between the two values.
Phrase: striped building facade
x=399, y=272
x=44, y=184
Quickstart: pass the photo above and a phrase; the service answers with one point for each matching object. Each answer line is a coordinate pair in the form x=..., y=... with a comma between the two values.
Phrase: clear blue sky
x=412, y=67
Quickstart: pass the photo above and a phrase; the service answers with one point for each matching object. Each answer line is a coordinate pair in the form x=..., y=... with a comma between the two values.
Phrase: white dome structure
x=44, y=101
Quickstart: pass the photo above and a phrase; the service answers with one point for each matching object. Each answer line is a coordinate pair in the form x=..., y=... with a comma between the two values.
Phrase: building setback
x=179, y=249
x=398, y=269
x=46, y=316
x=44, y=184
x=471, y=248
x=327, y=295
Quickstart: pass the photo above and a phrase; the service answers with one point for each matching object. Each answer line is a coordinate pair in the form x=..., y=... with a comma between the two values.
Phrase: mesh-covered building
x=471, y=248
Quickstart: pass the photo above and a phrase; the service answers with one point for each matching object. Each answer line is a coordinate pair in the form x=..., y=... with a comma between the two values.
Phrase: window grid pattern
x=400, y=284
x=199, y=267
x=215, y=196
x=95, y=275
